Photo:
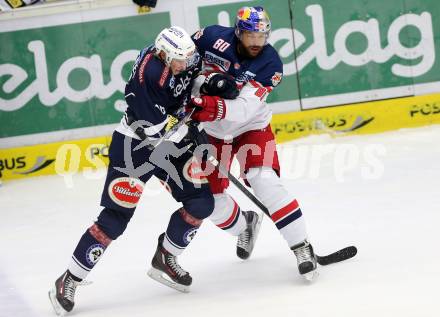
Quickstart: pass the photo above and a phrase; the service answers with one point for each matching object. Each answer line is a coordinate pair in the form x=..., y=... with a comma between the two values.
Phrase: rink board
x=61, y=158
x=63, y=72
x=86, y=155
x=361, y=118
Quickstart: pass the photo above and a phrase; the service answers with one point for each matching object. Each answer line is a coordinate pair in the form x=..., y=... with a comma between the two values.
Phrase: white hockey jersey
x=248, y=112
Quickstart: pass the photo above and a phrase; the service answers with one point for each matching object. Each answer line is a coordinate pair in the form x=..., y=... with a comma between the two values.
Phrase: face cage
x=239, y=33
x=191, y=61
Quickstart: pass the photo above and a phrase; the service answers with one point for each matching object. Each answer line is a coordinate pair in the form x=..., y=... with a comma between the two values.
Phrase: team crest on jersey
x=189, y=235
x=192, y=171
x=94, y=253
x=276, y=78
x=211, y=58
x=126, y=191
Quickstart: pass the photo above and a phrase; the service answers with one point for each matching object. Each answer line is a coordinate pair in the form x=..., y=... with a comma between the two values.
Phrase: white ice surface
x=392, y=217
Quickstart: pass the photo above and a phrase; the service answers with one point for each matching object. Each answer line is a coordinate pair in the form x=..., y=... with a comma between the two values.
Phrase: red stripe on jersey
x=142, y=68
x=256, y=84
x=262, y=91
x=164, y=76
x=99, y=235
x=277, y=215
x=231, y=218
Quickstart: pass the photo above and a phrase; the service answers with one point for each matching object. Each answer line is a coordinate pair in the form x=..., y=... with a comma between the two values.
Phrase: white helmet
x=176, y=43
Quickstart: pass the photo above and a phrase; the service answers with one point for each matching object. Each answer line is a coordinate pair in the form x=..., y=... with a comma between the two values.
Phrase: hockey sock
x=284, y=209
x=89, y=250
x=227, y=215
x=181, y=230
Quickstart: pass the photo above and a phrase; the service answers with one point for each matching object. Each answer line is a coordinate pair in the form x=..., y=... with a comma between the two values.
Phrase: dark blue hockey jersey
x=218, y=47
x=152, y=92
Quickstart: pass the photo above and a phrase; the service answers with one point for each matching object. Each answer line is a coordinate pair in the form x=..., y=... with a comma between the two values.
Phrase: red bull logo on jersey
x=276, y=79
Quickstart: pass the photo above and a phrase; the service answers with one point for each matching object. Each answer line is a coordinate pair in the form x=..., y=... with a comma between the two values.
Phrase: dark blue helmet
x=253, y=19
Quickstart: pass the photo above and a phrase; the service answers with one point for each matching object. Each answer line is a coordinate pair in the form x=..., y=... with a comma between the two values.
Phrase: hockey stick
x=237, y=183
x=337, y=256
x=185, y=120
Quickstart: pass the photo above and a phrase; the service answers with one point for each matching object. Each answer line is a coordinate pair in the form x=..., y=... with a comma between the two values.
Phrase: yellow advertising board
x=47, y=159
x=372, y=117
x=369, y=117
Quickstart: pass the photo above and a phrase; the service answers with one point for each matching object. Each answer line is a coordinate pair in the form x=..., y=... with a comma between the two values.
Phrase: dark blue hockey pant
x=128, y=171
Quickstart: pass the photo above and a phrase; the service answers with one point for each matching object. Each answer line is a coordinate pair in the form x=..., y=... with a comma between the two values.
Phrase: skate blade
x=311, y=276
x=162, y=278
x=59, y=310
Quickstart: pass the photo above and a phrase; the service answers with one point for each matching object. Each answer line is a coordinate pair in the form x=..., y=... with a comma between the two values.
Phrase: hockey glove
x=208, y=108
x=221, y=85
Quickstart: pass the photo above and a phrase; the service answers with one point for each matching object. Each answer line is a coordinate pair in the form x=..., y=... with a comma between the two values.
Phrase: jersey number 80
x=221, y=45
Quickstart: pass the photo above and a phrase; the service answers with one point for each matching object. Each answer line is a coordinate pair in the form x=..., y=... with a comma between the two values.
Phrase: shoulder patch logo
x=276, y=78
x=198, y=34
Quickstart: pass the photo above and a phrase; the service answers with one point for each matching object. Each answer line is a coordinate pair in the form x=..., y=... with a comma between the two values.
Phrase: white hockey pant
x=268, y=188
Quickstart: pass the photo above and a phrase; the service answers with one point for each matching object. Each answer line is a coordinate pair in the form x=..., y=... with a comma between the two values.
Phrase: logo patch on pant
x=126, y=191
x=94, y=253
x=192, y=171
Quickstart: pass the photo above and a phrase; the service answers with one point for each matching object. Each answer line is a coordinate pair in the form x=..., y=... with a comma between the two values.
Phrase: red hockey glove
x=208, y=108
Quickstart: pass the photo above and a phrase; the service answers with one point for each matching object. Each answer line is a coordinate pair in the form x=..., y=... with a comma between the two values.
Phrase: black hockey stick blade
x=338, y=256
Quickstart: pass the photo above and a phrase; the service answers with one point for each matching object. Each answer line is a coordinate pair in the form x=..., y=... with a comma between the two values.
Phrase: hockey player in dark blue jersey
x=160, y=84
x=242, y=127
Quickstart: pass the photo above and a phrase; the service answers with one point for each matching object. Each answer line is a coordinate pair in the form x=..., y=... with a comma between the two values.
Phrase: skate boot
x=63, y=294
x=246, y=239
x=306, y=260
x=167, y=271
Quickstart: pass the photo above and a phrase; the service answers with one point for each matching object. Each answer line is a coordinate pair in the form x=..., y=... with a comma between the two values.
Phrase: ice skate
x=246, y=240
x=62, y=295
x=167, y=271
x=306, y=260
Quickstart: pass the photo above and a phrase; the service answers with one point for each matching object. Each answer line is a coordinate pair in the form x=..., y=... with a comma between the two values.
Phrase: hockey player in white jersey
x=241, y=127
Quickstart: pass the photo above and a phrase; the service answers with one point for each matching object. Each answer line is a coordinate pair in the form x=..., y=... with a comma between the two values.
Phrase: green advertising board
x=70, y=76
x=380, y=48
x=339, y=52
